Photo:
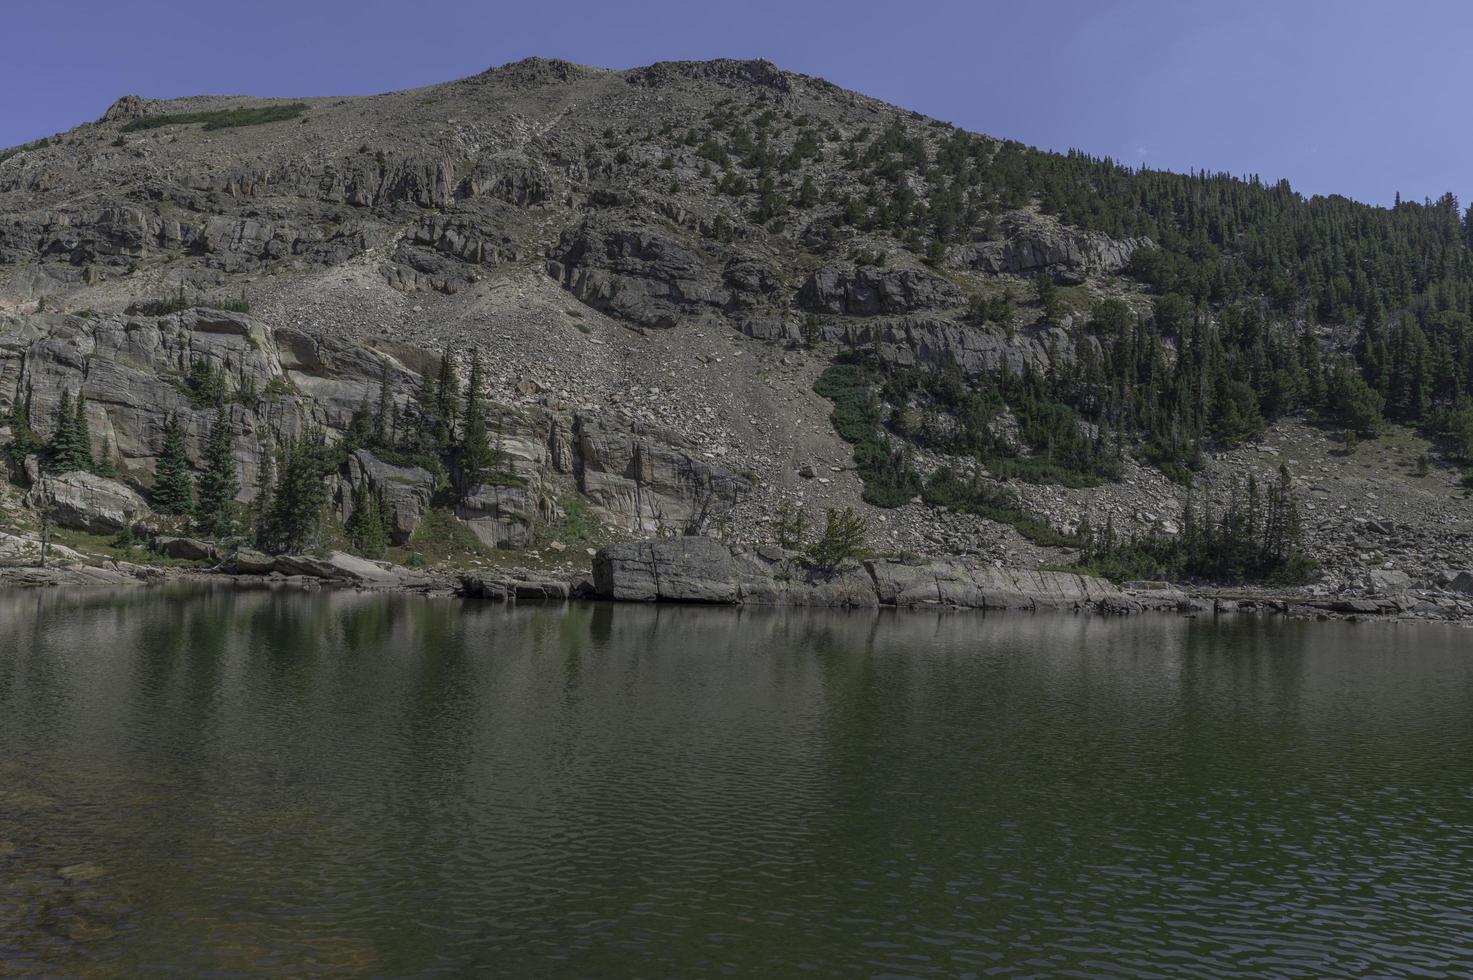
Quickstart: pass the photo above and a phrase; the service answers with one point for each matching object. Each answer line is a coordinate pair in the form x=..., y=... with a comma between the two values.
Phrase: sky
x=1352, y=97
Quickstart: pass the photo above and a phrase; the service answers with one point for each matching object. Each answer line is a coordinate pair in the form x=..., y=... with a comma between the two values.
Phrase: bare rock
x=851, y=290
x=87, y=502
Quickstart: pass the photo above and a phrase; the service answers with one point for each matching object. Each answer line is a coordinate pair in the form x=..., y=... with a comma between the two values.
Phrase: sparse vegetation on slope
x=220, y=118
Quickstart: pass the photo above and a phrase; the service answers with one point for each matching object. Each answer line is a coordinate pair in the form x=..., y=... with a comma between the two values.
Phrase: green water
x=256, y=783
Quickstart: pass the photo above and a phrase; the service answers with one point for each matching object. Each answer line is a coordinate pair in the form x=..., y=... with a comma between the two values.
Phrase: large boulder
x=87, y=502
x=248, y=562
x=1461, y=582
x=1387, y=581
x=670, y=569
x=954, y=583
x=185, y=549
x=339, y=566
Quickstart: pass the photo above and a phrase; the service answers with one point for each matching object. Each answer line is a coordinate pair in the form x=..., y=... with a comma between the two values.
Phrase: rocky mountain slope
x=655, y=264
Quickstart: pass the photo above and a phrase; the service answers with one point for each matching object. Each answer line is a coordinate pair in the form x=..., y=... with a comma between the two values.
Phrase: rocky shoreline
x=700, y=570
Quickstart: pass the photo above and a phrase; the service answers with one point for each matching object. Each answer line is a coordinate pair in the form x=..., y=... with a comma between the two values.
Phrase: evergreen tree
x=262, y=505
x=447, y=403
x=23, y=439
x=383, y=414
x=368, y=524
x=104, y=465
x=219, y=481
x=842, y=538
x=294, y=517
x=173, y=484
x=82, y=435
x=476, y=455
x=64, y=449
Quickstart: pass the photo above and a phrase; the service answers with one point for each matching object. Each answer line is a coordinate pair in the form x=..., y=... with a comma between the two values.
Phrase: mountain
x=705, y=294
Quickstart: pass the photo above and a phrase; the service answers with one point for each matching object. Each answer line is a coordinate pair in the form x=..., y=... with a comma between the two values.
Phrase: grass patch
x=108, y=546
x=440, y=539
x=221, y=118
x=579, y=528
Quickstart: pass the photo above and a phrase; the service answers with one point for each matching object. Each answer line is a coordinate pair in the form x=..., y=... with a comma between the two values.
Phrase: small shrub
x=842, y=539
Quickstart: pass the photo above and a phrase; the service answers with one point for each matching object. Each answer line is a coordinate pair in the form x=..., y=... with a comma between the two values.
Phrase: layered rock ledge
x=705, y=570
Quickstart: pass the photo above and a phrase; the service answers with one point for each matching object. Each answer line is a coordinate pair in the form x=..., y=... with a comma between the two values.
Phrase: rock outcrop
x=866, y=290
x=405, y=490
x=87, y=502
x=645, y=478
x=1032, y=245
x=699, y=569
x=638, y=275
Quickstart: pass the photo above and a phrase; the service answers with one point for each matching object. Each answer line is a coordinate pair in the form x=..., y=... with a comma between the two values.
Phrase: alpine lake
x=234, y=782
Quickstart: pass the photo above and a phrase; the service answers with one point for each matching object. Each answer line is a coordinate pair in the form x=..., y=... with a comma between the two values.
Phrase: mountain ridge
x=688, y=245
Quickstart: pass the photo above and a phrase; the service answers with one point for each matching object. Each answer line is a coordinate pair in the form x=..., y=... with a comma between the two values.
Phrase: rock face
x=851, y=290
x=505, y=510
x=697, y=569
x=644, y=477
x=1032, y=246
x=135, y=372
x=87, y=502
x=638, y=275
x=930, y=341
x=405, y=489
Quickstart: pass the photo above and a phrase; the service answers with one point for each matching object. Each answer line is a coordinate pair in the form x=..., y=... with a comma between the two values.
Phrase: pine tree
x=295, y=509
x=82, y=434
x=23, y=439
x=103, y=466
x=476, y=455
x=447, y=403
x=218, y=480
x=173, y=484
x=65, y=446
x=261, y=506
x=842, y=538
x=367, y=525
x=383, y=415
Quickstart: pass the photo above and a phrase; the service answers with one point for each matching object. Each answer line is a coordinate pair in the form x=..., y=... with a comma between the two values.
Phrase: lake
x=237, y=782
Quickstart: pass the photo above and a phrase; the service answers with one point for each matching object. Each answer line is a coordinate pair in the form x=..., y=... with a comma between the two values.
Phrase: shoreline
x=703, y=571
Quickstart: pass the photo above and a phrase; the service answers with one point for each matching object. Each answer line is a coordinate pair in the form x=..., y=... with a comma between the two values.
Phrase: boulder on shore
x=337, y=565
x=186, y=549
x=87, y=502
x=1387, y=581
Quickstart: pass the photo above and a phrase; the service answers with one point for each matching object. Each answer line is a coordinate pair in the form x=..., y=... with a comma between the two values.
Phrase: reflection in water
x=272, y=782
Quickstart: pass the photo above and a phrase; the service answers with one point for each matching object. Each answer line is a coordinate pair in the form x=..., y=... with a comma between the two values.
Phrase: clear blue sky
x=1354, y=97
